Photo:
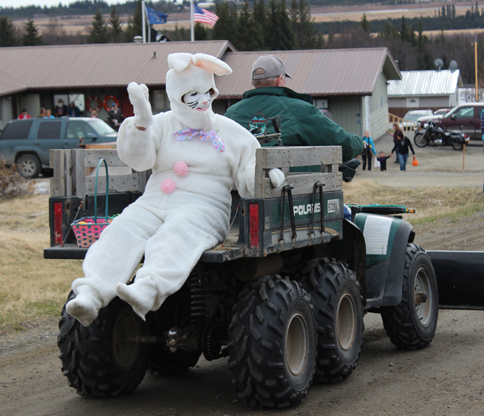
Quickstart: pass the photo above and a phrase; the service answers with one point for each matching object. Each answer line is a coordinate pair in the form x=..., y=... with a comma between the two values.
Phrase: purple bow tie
x=188, y=134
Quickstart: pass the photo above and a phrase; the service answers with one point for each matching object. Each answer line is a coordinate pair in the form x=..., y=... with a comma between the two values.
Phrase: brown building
x=351, y=83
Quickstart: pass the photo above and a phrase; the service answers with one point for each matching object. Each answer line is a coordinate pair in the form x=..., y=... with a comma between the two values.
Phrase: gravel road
x=447, y=378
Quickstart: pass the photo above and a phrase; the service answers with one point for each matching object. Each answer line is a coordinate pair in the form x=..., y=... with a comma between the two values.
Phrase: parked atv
x=283, y=297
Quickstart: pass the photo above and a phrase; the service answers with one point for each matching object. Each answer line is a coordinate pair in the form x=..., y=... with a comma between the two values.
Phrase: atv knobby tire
x=412, y=324
x=272, y=343
x=97, y=360
x=338, y=310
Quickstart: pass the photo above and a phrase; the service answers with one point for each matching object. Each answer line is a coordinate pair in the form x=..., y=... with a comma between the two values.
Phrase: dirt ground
x=447, y=378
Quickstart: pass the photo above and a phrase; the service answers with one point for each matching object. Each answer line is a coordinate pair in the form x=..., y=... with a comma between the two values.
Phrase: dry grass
x=431, y=204
x=33, y=289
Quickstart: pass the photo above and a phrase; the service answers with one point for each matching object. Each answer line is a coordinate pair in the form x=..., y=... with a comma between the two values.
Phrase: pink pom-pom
x=168, y=186
x=181, y=168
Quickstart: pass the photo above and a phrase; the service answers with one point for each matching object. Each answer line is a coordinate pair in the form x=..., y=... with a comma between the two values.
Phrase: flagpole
x=192, y=32
x=143, y=20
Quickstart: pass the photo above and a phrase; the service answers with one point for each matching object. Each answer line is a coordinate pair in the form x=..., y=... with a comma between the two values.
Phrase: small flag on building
x=154, y=17
x=204, y=16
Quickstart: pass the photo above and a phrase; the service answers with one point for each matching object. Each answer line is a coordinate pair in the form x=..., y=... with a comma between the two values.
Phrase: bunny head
x=193, y=73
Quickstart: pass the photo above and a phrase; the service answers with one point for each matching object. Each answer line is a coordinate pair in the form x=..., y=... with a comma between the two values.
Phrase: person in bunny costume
x=196, y=157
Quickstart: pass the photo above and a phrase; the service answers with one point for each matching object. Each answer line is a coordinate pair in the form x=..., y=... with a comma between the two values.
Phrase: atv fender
x=386, y=244
x=351, y=251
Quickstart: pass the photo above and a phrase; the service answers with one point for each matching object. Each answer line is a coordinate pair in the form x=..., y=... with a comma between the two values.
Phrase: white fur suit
x=196, y=157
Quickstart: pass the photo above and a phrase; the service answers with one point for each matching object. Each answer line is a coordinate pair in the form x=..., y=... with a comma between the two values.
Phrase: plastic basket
x=88, y=229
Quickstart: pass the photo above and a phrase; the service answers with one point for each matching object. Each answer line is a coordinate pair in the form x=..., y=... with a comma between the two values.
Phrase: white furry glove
x=277, y=177
x=139, y=97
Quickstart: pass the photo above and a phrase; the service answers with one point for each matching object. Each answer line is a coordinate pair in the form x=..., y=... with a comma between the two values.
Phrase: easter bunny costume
x=196, y=157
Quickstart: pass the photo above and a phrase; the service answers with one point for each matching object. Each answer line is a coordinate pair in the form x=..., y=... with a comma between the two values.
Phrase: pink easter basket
x=88, y=229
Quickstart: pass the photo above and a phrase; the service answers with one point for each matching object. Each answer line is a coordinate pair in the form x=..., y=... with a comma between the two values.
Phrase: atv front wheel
x=103, y=360
x=338, y=308
x=272, y=343
x=411, y=325
x=421, y=140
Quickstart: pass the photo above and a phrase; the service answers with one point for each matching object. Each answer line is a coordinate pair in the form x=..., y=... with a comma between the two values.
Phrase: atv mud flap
x=460, y=278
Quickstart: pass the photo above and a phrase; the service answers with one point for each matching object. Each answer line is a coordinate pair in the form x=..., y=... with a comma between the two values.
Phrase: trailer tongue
x=460, y=278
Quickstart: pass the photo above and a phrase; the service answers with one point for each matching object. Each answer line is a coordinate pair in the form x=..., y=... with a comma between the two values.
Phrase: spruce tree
x=7, y=32
x=403, y=30
x=365, y=24
x=302, y=25
x=116, y=29
x=200, y=32
x=279, y=34
x=31, y=36
x=224, y=28
x=138, y=20
x=243, y=29
x=98, y=33
x=424, y=58
x=259, y=21
x=129, y=32
x=250, y=36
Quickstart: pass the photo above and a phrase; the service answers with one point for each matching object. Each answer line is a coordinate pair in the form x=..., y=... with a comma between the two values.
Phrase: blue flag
x=154, y=17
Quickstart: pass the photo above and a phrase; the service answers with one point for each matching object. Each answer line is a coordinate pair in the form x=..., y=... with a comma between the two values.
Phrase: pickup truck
x=283, y=297
x=465, y=117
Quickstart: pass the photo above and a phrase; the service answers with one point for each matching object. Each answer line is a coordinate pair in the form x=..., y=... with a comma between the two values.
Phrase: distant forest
x=85, y=7
x=444, y=19
x=88, y=7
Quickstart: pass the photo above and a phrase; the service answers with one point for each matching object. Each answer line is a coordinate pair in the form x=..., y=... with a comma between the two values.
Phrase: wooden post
x=464, y=157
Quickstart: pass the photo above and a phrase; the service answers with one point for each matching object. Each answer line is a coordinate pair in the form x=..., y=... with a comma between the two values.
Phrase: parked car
x=27, y=143
x=442, y=111
x=465, y=117
x=410, y=118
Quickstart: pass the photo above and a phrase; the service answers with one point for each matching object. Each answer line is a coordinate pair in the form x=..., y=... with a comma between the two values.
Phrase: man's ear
x=281, y=81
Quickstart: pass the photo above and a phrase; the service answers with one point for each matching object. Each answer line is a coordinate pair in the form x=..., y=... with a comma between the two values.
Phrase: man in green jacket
x=302, y=124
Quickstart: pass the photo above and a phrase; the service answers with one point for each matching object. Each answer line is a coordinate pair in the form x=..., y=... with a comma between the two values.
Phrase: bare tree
x=55, y=33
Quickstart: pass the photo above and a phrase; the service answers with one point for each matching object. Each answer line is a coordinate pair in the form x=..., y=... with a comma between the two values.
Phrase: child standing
x=383, y=161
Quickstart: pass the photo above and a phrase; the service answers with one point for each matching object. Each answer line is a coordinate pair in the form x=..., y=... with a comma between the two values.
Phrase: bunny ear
x=211, y=64
x=179, y=61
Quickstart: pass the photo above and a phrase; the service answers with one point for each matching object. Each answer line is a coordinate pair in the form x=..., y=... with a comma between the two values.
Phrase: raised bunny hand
x=277, y=177
x=138, y=95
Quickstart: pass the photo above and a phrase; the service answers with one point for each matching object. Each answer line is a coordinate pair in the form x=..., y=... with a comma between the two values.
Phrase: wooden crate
x=74, y=173
x=284, y=158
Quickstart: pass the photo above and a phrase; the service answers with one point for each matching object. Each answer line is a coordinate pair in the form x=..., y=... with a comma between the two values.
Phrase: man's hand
x=138, y=95
x=277, y=177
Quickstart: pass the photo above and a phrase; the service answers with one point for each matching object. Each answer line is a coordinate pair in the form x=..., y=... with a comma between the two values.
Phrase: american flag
x=204, y=16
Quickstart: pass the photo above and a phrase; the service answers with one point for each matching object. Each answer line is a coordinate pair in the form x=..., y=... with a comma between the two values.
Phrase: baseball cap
x=271, y=65
x=113, y=104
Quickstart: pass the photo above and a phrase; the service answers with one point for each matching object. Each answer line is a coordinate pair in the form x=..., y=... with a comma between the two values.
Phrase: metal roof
x=97, y=65
x=10, y=85
x=316, y=72
x=419, y=83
